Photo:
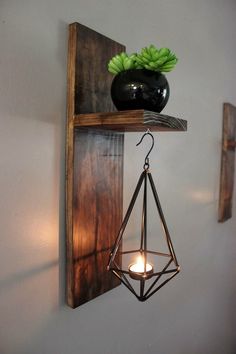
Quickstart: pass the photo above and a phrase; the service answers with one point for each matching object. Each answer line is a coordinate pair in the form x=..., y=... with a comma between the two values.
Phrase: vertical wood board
x=227, y=162
x=92, y=80
x=94, y=173
x=97, y=210
x=71, y=69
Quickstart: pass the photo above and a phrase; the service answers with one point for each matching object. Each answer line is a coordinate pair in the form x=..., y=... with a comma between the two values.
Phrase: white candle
x=138, y=266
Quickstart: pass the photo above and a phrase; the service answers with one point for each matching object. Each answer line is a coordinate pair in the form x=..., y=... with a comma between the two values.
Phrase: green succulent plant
x=150, y=58
x=122, y=62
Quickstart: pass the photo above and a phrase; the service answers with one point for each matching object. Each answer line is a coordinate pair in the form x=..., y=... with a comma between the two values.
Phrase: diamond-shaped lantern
x=141, y=269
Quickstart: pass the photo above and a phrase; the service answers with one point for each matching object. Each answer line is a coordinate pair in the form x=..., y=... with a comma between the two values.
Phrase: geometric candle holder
x=141, y=269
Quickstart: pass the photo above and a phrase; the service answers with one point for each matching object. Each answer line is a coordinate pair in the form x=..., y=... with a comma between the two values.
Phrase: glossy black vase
x=140, y=89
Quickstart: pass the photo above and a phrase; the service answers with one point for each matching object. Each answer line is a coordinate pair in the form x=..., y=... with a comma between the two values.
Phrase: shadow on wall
x=17, y=278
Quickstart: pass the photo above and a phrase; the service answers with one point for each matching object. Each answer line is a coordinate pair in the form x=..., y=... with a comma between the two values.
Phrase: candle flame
x=138, y=266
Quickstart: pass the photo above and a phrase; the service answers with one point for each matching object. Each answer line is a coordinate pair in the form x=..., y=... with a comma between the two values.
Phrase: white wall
x=193, y=314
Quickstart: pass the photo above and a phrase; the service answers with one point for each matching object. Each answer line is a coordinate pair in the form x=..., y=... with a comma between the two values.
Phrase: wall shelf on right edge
x=227, y=162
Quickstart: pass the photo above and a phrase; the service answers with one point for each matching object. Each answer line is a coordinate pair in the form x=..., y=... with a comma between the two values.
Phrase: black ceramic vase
x=140, y=89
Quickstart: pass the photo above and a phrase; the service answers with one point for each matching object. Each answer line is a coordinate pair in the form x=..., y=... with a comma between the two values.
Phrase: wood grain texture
x=97, y=210
x=94, y=168
x=131, y=121
x=92, y=80
x=69, y=163
x=227, y=162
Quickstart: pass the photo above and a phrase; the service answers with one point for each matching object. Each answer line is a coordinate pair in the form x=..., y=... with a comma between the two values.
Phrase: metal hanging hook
x=146, y=160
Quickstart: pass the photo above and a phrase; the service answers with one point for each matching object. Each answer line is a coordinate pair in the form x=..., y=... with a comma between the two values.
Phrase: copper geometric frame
x=144, y=292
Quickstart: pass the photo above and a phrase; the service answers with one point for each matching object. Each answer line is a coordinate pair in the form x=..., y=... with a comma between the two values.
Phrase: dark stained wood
x=131, y=121
x=92, y=80
x=97, y=210
x=227, y=162
x=69, y=163
x=94, y=168
x=94, y=162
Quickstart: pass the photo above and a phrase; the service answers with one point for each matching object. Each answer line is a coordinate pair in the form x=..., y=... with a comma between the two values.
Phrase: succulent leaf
x=161, y=60
x=164, y=52
x=118, y=62
x=113, y=67
x=127, y=63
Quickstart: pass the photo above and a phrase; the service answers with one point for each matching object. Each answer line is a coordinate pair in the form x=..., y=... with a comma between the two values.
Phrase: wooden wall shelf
x=130, y=121
x=94, y=162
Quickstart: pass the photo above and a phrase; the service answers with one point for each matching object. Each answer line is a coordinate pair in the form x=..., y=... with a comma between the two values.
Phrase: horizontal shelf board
x=130, y=121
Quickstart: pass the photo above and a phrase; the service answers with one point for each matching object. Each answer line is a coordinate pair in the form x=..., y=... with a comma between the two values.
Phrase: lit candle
x=137, y=270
